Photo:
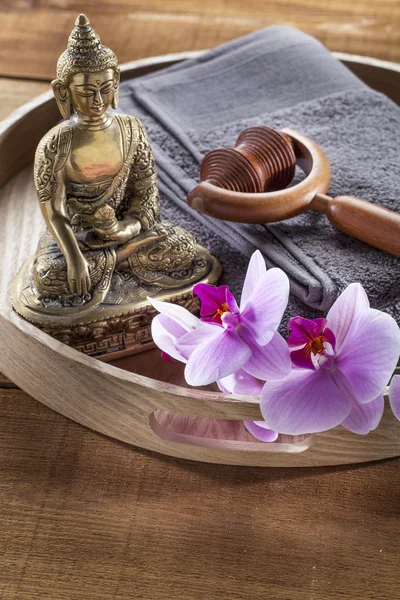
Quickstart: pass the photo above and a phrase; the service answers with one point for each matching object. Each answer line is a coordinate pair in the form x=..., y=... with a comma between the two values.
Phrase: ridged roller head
x=263, y=159
x=228, y=168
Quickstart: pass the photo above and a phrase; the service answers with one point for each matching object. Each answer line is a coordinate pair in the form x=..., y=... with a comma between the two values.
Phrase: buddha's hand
x=123, y=231
x=78, y=276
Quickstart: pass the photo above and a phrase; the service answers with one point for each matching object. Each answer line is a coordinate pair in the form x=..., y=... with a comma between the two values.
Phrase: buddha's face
x=92, y=93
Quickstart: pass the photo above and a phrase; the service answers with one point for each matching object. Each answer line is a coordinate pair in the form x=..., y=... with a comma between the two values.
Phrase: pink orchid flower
x=228, y=337
x=394, y=396
x=342, y=365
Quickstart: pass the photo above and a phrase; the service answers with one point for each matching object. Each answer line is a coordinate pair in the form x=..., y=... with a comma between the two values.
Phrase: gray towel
x=278, y=77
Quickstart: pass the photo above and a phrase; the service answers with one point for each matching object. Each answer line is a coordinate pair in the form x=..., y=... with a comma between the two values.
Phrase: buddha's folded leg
x=172, y=259
x=50, y=275
x=165, y=257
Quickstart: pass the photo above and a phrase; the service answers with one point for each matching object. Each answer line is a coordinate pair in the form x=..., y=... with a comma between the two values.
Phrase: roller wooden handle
x=363, y=220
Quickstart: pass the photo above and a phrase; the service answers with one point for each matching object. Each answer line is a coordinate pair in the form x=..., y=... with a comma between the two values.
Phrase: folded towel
x=279, y=77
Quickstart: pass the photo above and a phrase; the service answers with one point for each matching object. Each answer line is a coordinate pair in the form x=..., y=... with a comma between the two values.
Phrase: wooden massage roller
x=248, y=184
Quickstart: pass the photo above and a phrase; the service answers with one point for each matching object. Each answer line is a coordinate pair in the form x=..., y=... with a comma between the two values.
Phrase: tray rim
x=168, y=396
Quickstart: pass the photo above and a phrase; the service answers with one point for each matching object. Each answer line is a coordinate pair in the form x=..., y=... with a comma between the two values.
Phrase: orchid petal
x=167, y=357
x=394, y=396
x=241, y=382
x=259, y=430
x=301, y=359
x=180, y=315
x=364, y=418
x=263, y=310
x=267, y=362
x=369, y=353
x=304, y=402
x=344, y=310
x=212, y=298
x=165, y=333
x=255, y=272
x=330, y=336
x=231, y=302
x=303, y=330
x=217, y=358
x=188, y=342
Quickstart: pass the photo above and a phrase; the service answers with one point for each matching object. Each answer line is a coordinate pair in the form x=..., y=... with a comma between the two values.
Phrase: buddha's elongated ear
x=117, y=76
x=62, y=96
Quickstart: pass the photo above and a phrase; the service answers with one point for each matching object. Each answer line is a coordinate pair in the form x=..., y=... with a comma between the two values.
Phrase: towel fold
x=279, y=77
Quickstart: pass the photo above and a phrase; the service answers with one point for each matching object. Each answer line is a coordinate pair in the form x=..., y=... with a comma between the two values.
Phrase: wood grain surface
x=33, y=33
x=83, y=517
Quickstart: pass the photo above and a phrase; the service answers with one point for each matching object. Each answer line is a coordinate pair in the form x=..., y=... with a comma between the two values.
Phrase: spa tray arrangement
x=203, y=260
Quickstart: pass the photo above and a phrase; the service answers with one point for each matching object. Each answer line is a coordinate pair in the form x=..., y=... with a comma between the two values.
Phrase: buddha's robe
x=162, y=256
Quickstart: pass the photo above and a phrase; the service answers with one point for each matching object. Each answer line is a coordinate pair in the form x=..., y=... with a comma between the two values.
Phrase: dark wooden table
x=85, y=518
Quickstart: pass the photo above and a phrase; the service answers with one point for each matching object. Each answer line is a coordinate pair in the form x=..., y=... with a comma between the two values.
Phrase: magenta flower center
x=215, y=302
x=216, y=317
x=315, y=346
x=308, y=338
x=224, y=308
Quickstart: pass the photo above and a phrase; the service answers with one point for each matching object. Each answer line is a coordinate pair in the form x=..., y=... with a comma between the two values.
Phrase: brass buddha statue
x=105, y=250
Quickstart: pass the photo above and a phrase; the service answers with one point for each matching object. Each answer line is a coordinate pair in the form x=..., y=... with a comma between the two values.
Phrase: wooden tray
x=142, y=400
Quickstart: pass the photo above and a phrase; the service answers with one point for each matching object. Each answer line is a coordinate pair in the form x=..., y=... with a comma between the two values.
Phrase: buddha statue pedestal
x=105, y=251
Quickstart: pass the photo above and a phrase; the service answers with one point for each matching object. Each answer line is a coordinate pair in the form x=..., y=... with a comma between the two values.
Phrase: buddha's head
x=87, y=74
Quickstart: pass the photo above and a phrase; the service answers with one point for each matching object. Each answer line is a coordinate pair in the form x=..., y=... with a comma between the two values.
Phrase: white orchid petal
x=241, y=382
x=364, y=418
x=179, y=314
x=260, y=431
x=255, y=272
x=369, y=353
x=305, y=402
x=264, y=308
x=165, y=333
x=394, y=396
x=213, y=360
x=268, y=362
x=344, y=310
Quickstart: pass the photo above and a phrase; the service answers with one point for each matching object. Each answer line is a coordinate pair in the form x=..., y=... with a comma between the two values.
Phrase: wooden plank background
x=33, y=33
x=85, y=518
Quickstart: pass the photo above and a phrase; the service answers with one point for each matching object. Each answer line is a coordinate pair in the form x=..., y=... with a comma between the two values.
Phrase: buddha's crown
x=85, y=53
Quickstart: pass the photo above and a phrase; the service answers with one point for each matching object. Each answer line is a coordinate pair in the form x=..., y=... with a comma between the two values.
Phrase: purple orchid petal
x=268, y=362
x=369, y=353
x=259, y=430
x=342, y=383
x=207, y=332
x=168, y=358
x=213, y=298
x=304, y=402
x=231, y=302
x=241, y=383
x=303, y=330
x=394, y=396
x=342, y=313
x=215, y=359
x=301, y=359
x=179, y=314
x=364, y=418
x=255, y=272
x=166, y=333
x=263, y=310
x=330, y=336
